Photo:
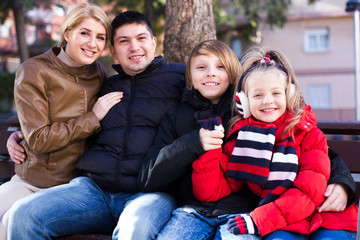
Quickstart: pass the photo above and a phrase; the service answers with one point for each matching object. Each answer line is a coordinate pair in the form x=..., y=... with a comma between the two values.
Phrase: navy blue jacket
x=116, y=153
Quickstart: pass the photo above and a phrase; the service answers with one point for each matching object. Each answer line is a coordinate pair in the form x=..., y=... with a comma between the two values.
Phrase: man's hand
x=336, y=198
x=15, y=150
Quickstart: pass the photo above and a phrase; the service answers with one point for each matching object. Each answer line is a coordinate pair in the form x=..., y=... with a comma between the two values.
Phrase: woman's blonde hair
x=251, y=62
x=226, y=55
x=78, y=15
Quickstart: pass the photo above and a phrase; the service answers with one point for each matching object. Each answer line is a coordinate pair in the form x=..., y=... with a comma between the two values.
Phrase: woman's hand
x=104, y=103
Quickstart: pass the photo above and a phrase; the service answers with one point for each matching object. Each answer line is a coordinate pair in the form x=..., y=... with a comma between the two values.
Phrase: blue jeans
x=82, y=207
x=320, y=234
x=186, y=223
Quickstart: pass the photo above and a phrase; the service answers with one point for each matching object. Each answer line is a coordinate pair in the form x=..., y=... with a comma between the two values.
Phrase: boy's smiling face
x=209, y=76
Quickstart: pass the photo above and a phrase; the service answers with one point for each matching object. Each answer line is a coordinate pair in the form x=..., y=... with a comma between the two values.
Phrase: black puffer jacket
x=168, y=165
x=128, y=130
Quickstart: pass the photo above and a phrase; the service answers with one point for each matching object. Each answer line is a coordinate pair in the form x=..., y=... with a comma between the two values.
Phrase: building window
x=58, y=10
x=5, y=29
x=30, y=33
x=236, y=46
x=317, y=40
x=318, y=96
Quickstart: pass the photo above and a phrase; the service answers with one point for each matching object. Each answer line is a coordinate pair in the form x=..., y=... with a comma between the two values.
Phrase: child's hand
x=211, y=139
x=211, y=123
x=242, y=224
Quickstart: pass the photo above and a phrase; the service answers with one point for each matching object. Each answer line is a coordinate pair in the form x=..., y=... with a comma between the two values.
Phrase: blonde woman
x=57, y=104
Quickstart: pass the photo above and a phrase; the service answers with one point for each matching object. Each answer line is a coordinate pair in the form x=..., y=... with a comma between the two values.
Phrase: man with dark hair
x=104, y=197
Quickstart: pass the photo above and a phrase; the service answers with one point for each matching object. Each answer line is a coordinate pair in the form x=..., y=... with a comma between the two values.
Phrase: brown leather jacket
x=54, y=103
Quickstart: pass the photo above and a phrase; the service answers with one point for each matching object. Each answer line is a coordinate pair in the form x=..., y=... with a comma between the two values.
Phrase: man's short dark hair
x=129, y=17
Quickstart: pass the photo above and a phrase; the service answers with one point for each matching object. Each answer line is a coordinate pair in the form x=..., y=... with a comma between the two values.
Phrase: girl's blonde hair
x=251, y=62
x=226, y=55
x=78, y=15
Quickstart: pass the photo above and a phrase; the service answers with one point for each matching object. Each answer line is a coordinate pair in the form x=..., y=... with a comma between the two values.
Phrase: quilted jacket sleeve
x=209, y=181
x=300, y=201
x=169, y=157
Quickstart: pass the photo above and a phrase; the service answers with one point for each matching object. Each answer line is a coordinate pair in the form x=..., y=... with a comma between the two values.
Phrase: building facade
x=318, y=39
x=41, y=31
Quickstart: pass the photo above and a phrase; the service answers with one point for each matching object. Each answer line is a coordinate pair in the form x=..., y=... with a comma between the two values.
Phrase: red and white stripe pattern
x=257, y=158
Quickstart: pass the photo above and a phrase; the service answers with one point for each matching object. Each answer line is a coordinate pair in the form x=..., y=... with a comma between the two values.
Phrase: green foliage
x=4, y=11
x=156, y=13
x=7, y=84
x=225, y=15
x=273, y=11
x=6, y=91
x=5, y=7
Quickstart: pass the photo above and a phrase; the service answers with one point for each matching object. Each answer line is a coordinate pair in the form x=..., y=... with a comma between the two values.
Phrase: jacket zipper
x=129, y=117
x=126, y=133
x=85, y=92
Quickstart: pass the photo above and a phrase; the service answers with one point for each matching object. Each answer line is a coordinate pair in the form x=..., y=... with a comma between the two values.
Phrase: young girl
x=56, y=101
x=275, y=148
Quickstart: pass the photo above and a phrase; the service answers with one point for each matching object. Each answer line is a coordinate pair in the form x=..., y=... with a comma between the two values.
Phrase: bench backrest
x=344, y=138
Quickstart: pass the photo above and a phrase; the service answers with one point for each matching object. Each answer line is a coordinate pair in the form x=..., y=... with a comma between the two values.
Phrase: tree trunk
x=148, y=11
x=20, y=29
x=188, y=22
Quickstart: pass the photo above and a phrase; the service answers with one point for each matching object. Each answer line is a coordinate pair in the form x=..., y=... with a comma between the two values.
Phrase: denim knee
x=144, y=216
x=20, y=216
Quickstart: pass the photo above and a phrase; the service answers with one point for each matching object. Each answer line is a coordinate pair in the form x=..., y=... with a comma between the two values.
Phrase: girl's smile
x=266, y=93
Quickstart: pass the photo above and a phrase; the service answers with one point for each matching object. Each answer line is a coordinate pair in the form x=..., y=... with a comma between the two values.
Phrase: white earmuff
x=242, y=104
x=292, y=90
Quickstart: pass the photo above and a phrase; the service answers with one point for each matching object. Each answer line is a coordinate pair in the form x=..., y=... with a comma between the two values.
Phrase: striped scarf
x=258, y=158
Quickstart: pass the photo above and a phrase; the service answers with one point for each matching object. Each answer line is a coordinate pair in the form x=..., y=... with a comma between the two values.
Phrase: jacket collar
x=195, y=99
x=52, y=55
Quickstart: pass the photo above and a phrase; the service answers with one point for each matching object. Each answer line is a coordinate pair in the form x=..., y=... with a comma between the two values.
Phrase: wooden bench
x=7, y=126
x=343, y=137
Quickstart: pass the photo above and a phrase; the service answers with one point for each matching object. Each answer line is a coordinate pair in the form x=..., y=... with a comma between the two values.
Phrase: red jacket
x=295, y=209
